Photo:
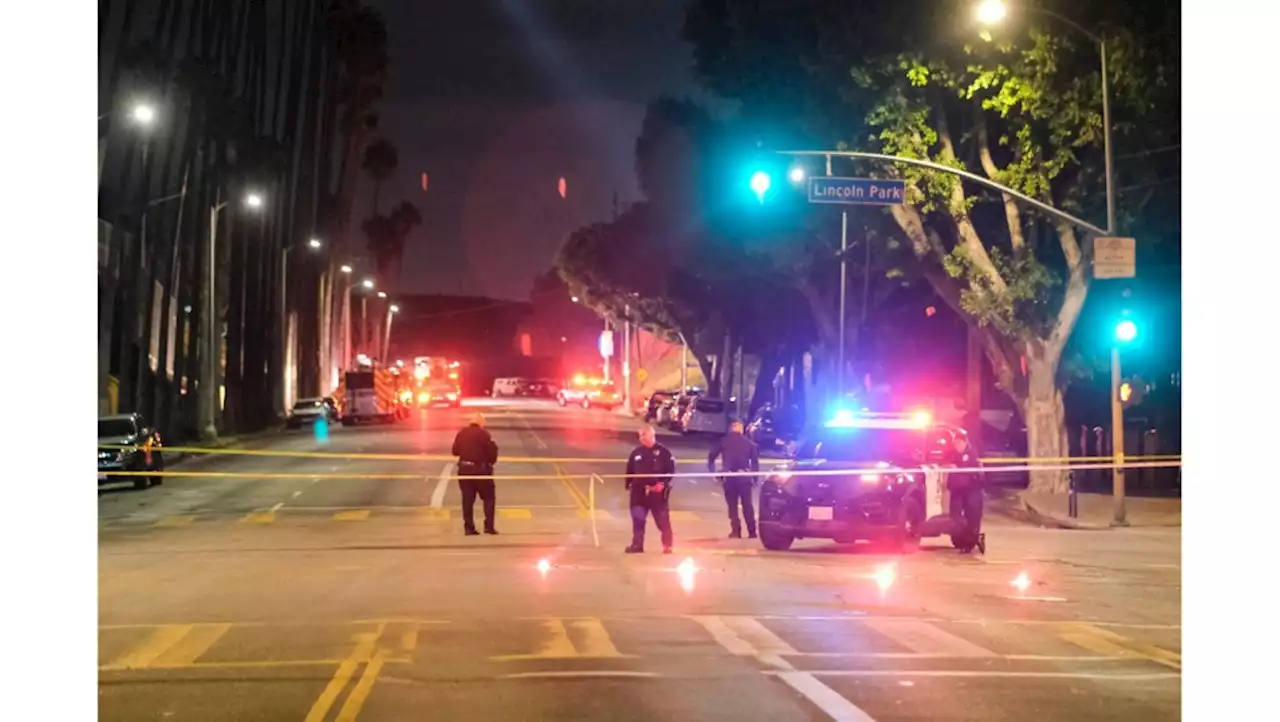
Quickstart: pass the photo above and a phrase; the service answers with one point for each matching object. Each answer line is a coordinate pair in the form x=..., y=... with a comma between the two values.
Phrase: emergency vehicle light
x=846, y=419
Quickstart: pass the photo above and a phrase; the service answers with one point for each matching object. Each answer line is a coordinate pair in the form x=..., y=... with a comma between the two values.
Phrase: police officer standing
x=477, y=453
x=649, y=470
x=965, y=488
x=740, y=454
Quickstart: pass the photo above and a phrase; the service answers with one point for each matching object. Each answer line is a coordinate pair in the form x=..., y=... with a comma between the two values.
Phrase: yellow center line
x=355, y=701
x=359, y=653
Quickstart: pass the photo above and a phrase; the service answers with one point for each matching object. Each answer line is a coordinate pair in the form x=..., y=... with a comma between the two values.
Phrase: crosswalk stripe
x=1108, y=643
x=557, y=644
x=515, y=513
x=925, y=638
x=192, y=645
x=352, y=515
x=757, y=635
x=150, y=649
x=259, y=517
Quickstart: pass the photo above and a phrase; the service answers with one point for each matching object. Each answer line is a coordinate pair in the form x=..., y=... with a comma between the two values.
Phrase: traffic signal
x=760, y=184
x=1126, y=331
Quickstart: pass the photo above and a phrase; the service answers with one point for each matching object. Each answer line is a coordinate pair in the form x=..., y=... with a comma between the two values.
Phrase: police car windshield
x=863, y=445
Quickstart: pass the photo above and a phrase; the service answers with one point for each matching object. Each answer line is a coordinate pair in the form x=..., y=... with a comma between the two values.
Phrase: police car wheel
x=560, y=400
x=775, y=540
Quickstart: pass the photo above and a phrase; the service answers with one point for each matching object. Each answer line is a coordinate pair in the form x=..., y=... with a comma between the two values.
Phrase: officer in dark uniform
x=965, y=489
x=649, y=470
x=477, y=453
x=740, y=454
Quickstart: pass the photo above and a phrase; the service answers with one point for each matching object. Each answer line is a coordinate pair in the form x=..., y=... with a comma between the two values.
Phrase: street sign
x=1114, y=257
x=606, y=343
x=857, y=191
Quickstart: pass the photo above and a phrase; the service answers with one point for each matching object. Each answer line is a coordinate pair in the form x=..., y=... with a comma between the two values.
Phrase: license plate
x=820, y=513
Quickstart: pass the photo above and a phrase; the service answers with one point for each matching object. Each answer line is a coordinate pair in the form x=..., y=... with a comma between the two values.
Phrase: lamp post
x=285, y=369
x=992, y=12
x=209, y=383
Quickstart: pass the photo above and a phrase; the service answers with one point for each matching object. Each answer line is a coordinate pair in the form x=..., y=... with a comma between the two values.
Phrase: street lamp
x=990, y=12
x=573, y=298
x=382, y=294
x=313, y=244
x=144, y=114
x=208, y=399
x=796, y=174
x=386, y=336
x=367, y=283
x=345, y=269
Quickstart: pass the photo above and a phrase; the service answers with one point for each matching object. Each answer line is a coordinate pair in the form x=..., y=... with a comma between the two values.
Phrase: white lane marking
x=827, y=699
x=579, y=673
x=276, y=508
x=1131, y=677
x=442, y=485
x=537, y=439
x=926, y=638
x=297, y=494
x=725, y=630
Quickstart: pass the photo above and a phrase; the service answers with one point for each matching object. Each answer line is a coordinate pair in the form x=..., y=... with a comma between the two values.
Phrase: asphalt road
x=289, y=594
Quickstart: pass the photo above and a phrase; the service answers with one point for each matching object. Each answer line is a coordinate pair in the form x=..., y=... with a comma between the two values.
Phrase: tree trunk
x=1045, y=417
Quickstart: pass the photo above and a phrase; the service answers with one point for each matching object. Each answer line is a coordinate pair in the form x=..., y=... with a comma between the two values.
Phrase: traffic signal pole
x=1117, y=440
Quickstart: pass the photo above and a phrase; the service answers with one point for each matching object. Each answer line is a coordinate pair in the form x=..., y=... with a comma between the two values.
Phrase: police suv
x=859, y=477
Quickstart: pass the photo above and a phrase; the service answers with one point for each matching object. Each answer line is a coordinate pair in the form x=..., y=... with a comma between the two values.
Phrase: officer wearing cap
x=740, y=454
x=649, y=470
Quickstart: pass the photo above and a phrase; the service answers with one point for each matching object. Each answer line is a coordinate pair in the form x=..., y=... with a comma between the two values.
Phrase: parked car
x=307, y=411
x=590, y=393
x=143, y=454
x=706, y=416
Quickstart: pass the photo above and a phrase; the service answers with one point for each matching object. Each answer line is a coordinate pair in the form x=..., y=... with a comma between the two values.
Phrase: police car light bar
x=846, y=419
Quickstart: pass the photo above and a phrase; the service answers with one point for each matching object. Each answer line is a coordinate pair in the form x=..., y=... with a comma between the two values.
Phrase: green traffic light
x=760, y=183
x=1126, y=331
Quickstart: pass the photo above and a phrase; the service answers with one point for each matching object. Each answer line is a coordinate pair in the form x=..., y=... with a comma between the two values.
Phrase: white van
x=506, y=387
x=706, y=416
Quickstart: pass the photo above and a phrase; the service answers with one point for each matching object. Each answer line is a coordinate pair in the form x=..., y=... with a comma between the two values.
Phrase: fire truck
x=434, y=377
x=370, y=394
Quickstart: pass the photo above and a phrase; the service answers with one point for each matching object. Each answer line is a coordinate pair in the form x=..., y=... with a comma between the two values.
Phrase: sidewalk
x=1095, y=511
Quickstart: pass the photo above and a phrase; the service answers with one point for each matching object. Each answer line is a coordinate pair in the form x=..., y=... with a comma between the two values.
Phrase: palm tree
x=380, y=161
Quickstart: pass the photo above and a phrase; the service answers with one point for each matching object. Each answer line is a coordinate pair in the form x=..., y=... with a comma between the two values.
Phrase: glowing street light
x=796, y=174
x=396, y=309
x=382, y=294
x=345, y=268
x=991, y=12
x=144, y=114
x=253, y=200
x=314, y=243
x=367, y=283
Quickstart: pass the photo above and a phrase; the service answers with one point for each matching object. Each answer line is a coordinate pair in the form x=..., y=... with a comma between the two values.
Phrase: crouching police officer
x=477, y=452
x=649, y=470
x=965, y=489
x=740, y=454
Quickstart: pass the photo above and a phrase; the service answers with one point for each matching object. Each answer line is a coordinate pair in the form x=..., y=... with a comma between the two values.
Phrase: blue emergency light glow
x=847, y=419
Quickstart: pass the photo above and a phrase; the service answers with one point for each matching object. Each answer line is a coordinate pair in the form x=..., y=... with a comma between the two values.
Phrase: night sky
x=496, y=100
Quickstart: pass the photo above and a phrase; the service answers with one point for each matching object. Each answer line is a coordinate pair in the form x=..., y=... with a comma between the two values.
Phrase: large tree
x=1021, y=106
